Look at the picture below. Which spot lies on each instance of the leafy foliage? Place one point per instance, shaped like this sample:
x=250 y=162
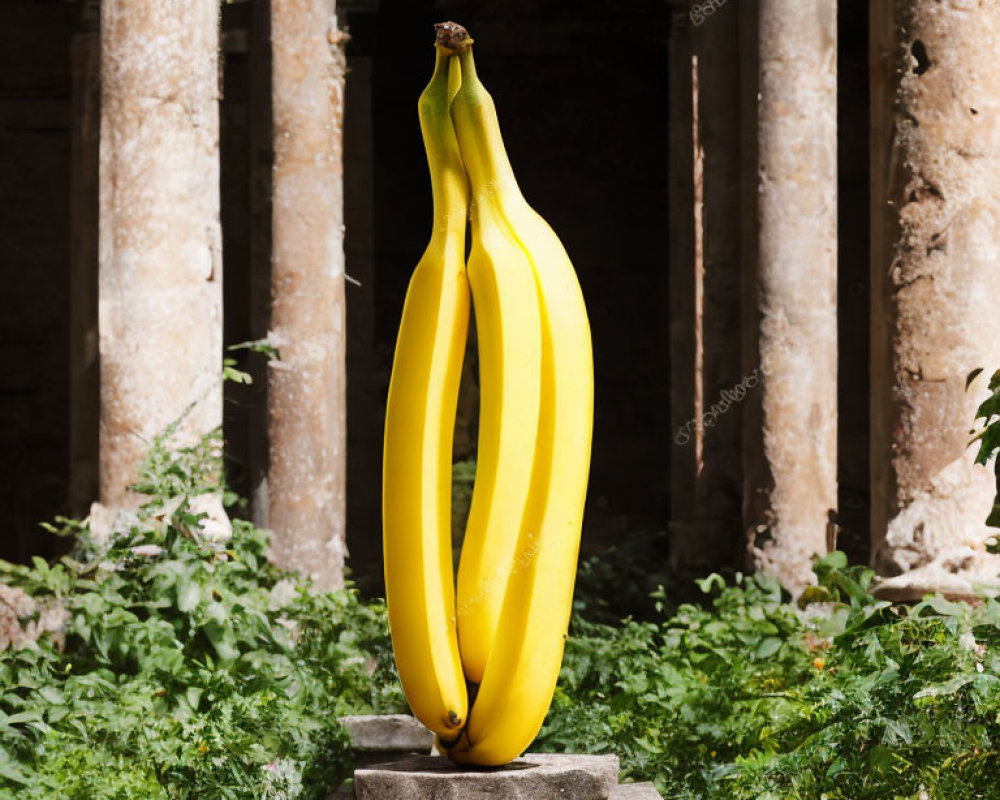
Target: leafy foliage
x=463 y=476
x=192 y=668
x=620 y=582
x=988 y=437
x=754 y=697
x=230 y=366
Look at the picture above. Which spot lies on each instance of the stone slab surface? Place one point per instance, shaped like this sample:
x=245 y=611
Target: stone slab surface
x=534 y=776
x=635 y=791
x=387 y=733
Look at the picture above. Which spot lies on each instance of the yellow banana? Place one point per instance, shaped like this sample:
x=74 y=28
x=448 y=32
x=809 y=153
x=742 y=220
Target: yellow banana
x=524 y=646
x=419 y=427
x=508 y=328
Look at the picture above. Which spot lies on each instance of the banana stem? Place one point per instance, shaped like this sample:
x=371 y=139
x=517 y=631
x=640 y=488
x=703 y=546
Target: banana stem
x=479 y=139
x=449 y=185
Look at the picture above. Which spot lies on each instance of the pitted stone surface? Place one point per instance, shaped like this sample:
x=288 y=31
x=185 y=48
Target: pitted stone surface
x=532 y=777
x=387 y=733
x=635 y=791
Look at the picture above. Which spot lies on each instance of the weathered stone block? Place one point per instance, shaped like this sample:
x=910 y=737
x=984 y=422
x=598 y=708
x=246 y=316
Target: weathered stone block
x=531 y=777
x=387 y=733
x=635 y=791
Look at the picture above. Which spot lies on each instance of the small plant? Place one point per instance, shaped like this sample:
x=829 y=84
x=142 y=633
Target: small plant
x=232 y=373
x=988 y=437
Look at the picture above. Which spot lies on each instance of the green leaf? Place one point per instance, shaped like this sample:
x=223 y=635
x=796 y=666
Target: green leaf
x=712 y=583
x=24 y=717
x=768 y=647
x=216 y=611
x=222 y=640
x=989 y=408
x=940 y=605
x=51 y=694
x=993 y=520
x=946 y=687
x=234 y=375
x=188 y=596
x=989 y=443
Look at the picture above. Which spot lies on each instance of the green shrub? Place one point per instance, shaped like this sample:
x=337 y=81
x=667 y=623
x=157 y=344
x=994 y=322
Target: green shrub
x=845 y=697
x=621 y=581
x=191 y=667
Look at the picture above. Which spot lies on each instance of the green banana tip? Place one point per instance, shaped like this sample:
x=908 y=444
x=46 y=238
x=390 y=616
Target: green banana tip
x=452 y=36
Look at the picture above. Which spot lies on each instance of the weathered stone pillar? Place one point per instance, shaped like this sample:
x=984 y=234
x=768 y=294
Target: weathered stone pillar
x=84 y=367
x=935 y=164
x=307 y=410
x=792 y=483
x=160 y=299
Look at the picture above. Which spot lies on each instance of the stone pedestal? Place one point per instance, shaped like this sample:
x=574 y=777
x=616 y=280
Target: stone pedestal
x=635 y=791
x=382 y=739
x=386 y=738
x=531 y=777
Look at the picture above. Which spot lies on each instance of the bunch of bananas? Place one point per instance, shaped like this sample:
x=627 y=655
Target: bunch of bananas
x=479 y=665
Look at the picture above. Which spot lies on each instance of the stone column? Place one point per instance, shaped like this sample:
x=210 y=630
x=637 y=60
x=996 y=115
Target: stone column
x=159 y=295
x=306 y=387
x=935 y=164
x=792 y=454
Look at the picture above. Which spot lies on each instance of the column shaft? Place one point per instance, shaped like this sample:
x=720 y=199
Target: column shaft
x=159 y=294
x=935 y=282
x=307 y=385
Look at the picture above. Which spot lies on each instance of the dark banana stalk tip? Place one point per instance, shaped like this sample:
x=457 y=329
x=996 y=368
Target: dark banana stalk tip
x=452 y=36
